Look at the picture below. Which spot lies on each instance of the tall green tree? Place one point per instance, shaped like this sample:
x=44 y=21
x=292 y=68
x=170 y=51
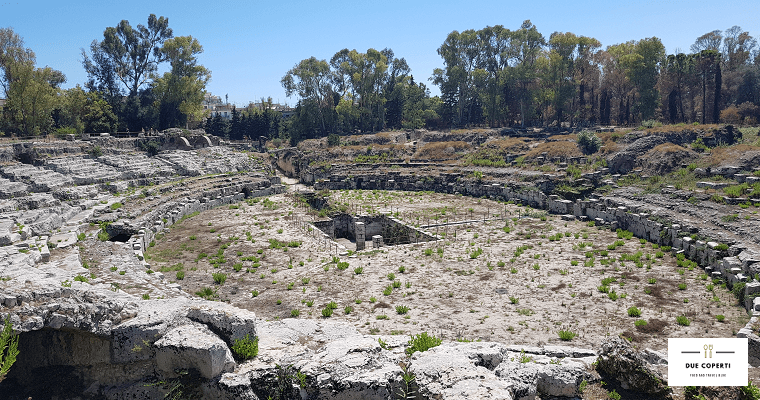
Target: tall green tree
x=643 y=70
x=136 y=52
x=528 y=43
x=310 y=79
x=124 y=62
x=179 y=92
x=31 y=93
x=562 y=55
x=84 y=111
x=460 y=52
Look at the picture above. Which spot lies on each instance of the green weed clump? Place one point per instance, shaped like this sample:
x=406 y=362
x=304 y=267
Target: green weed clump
x=634 y=312
x=566 y=335
x=422 y=342
x=219 y=277
x=246 y=348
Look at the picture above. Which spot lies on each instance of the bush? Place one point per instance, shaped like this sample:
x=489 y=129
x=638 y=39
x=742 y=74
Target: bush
x=640 y=322
x=333 y=140
x=95 y=152
x=402 y=309
x=245 y=348
x=683 y=321
x=152 y=147
x=8 y=348
x=566 y=335
x=327 y=312
x=588 y=142
x=219 y=277
x=422 y=342
x=634 y=312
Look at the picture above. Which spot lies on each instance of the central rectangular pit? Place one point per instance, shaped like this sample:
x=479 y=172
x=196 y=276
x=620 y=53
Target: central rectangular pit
x=389 y=231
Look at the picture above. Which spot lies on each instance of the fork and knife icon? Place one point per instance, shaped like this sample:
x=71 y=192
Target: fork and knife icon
x=708 y=347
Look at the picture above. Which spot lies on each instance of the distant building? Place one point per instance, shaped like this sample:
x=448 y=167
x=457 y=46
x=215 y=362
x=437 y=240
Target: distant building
x=216 y=106
x=286 y=111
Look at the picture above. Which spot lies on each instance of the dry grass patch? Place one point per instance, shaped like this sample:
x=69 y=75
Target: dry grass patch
x=682 y=127
x=667 y=148
x=514 y=145
x=728 y=155
x=441 y=150
x=555 y=149
x=570 y=137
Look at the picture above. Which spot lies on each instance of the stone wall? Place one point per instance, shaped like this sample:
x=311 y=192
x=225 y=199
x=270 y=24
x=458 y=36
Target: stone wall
x=605 y=212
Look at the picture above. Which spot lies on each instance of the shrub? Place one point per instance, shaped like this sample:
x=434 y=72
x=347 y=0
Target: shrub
x=104 y=236
x=358 y=270
x=682 y=320
x=720 y=318
x=245 y=348
x=327 y=312
x=634 y=312
x=219 y=277
x=402 y=310
x=95 y=152
x=206 y=293
x=566 y=335
x=730 y=218
x=422 y=342
x=8 y=348
x=295 y=313
x=640 y=322
x=588 y=142
x=333 y=140
x=180 y=275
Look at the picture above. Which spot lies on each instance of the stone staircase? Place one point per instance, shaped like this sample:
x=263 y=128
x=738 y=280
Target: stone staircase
x=37 y=179
x=85 y=171
x=134 y=166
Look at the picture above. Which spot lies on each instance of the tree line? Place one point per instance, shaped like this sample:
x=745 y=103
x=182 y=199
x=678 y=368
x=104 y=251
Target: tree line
x=493 y=77
x=500 y=77
x=123 y=91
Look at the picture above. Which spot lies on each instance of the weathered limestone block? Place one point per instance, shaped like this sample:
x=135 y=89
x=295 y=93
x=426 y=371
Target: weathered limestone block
x=229 y=386
x=619 y=359
x=448 y=372
x=188 y=346
x=229 y=322
x=728 y=265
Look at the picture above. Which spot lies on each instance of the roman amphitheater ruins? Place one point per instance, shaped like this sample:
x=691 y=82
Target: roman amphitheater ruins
x=388 y=266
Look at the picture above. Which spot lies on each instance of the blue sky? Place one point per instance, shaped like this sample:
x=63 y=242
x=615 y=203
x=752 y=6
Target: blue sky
x=250 y=45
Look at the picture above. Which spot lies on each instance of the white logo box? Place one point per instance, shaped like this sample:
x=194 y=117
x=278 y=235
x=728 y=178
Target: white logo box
x=707 y=362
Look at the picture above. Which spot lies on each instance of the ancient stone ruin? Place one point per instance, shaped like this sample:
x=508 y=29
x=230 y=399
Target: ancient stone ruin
x=104 y=246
